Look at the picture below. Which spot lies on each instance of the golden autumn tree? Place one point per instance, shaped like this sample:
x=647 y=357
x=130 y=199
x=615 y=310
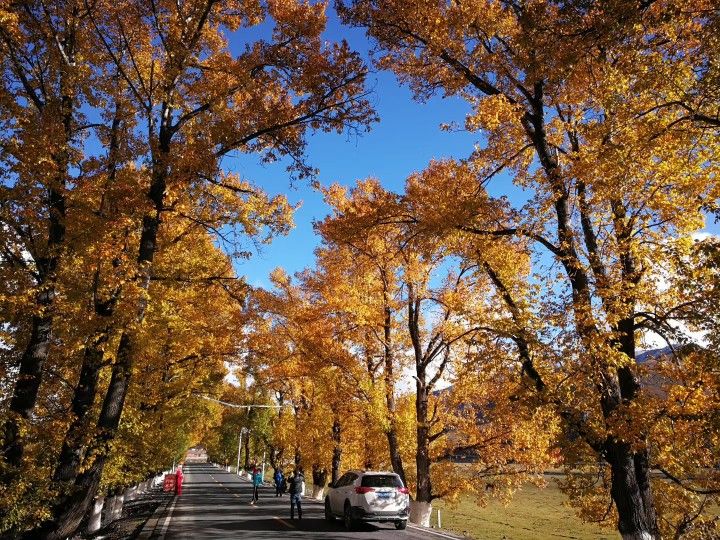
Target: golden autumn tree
x=360 y=283
x=222 y=440
x=571 y=111
x=194 y=308
x=189 y=335
x=177 y=107
x=353 y=295
x=56 y=188
x=302 y=351
x=443 y=311
x=671 y=305
x=169 y=102
x=43 y=90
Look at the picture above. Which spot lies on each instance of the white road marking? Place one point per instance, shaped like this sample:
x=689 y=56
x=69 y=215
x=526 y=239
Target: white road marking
x=423 y=529
x=166 y=523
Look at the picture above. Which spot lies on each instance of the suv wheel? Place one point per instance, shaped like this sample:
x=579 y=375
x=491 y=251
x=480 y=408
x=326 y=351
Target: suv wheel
x=400 y=525
x=328 y=511
x=347 y=517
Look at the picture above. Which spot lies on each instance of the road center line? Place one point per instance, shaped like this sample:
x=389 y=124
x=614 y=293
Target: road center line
x=286 y=523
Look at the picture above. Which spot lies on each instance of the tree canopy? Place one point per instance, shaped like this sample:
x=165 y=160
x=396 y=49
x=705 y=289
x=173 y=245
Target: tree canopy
x=461 y=340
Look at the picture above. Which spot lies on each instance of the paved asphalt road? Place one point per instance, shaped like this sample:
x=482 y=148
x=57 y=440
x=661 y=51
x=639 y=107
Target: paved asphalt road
x=215 y=504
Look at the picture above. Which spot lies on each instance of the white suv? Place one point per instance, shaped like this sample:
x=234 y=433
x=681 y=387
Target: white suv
x=368 y=496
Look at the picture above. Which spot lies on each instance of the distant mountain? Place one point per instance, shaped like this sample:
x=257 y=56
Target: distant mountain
x=652 y=354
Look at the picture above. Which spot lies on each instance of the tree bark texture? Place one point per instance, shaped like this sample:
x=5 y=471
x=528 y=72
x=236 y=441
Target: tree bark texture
x=422 y=453
x=337 y=449
x=630 y=490
x=391 y=433
x=26 y=389
x=319 y=475
x=70 y=510
x=84 y=396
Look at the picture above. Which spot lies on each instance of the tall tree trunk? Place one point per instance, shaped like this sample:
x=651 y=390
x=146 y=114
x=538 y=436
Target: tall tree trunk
x=69 y=511
x=394 y=448
x=367 y=461
x=246 y=447
x=298 y=453
x=422 y=453
x=337 y=449
x=86 y=389
x=37 y=349
x=84 y=396
x=276 y=453
x=319 y=476
x=272 y=452
x=26 y=390
x=630 y=490
x=421 y=506
x=630 y=480
x=391 y=432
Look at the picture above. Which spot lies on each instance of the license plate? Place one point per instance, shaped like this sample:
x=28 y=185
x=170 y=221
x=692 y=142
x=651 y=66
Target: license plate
x=384 y=495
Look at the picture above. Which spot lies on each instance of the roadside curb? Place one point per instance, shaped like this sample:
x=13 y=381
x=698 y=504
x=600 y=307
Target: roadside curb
x=440 y=533
x=151 y=525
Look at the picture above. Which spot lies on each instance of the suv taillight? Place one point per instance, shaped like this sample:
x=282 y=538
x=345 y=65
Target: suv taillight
x=404 y=491
x=363 y=489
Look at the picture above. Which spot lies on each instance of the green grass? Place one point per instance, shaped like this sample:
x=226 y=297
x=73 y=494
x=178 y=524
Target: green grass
x=533 y=514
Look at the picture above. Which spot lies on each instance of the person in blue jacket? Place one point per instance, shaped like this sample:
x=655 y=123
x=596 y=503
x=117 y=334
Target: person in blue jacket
x=256 y=481
x=279 y=477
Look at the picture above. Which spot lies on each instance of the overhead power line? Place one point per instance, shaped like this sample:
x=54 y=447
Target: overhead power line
x=239 y=406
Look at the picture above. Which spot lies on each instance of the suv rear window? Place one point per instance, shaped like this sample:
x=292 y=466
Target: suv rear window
x=381 y=480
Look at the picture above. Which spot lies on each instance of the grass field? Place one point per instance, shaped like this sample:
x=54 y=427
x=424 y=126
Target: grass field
x=533 y=514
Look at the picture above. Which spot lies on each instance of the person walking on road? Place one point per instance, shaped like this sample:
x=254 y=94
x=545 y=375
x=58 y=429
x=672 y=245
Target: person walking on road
x=256 y=481
x=296 y=488
x=279 y=478
x=178 y=481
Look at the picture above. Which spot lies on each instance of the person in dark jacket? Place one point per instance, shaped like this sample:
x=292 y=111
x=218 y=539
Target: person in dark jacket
x=279 y=479
x=296 y=487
